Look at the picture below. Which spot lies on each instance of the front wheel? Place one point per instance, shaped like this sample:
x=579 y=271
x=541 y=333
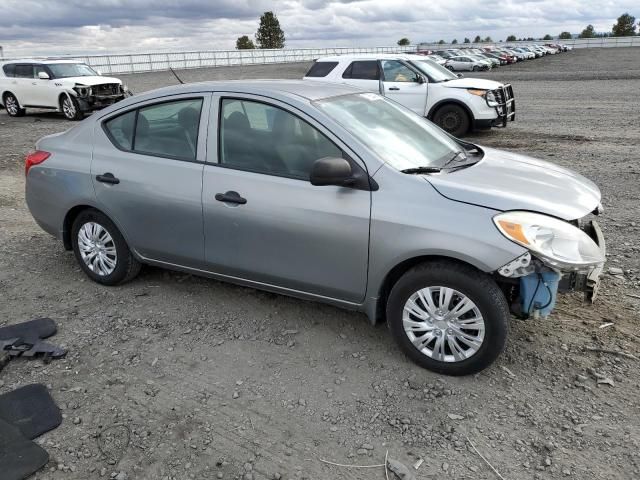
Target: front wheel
x=452 y=118
x=71 y=108
x=101 y=250
x=448 y=317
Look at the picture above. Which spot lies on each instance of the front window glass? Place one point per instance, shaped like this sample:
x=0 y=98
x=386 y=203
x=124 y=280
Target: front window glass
x=395 y=71
x=66 y=70
x=262 y=138
x=435 y=72
x=397 y=135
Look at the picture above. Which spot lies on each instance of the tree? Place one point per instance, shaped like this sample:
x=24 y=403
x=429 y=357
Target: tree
x=454 y=42
x=441 y=42
x=404 y=41
x=625 y=26
x=477 y=39
x=511 y=38
x=547 y=37
x=588 y=32
x=488 y=40
x=269 y=34
x=466 y=40
x=244 y=43
x=565 y=36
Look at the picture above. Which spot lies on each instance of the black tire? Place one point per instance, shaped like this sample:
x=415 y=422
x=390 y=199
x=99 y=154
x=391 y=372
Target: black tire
x=476 y=68
x=73 y=111
x=127 y=267
x=452 y=118
x=15 y=111
x=475 y=285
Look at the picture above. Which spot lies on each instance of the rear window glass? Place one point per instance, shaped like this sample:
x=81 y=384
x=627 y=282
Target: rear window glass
x=24 y=71
x=169 y=129
x=121 y=129
x=321 y=69
x=9 y=70
x=363 y=70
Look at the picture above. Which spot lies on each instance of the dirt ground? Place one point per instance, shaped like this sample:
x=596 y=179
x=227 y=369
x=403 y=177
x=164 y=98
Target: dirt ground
x=178 y=377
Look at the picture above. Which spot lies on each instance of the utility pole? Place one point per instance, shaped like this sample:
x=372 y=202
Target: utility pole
x=1 y=53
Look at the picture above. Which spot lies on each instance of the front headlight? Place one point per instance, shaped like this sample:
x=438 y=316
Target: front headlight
x=557 y=243
x=486 y=94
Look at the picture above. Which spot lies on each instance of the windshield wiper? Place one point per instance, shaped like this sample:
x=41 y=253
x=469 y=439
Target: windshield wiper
x=420 y=170
x=454 y=158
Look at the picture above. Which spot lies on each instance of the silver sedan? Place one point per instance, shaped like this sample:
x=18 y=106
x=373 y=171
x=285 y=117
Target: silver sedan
x=327 y=193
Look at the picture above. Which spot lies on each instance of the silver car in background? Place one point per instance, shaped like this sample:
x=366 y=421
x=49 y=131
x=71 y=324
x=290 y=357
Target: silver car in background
x=326 y=193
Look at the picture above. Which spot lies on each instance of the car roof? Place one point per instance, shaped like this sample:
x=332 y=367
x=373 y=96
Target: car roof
x=38 y=61
x=371 y=56
x=304 y=89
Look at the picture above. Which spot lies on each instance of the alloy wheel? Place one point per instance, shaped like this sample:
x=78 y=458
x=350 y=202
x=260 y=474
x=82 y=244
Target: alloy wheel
x=443 y=324
x=97 y=249
x=11 y=104
x=68 y=108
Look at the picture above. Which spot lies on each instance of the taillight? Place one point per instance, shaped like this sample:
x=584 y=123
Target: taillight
x=35 y=158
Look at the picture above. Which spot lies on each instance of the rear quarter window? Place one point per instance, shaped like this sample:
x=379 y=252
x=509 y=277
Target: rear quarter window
x=321 y=69
x=120 y=129
x=9 y=70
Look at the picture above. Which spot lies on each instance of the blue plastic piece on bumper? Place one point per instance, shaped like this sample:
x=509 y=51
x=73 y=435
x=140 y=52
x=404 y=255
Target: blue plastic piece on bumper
x=538 y=291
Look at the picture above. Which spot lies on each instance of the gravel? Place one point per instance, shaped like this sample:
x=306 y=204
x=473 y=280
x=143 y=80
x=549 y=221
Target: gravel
x=237 y=398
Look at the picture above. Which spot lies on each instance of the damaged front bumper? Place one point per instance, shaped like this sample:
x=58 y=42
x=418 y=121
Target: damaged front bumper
x=532 y=286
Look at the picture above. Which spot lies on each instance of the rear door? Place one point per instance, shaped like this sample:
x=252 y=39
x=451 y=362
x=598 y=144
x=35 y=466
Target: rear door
x=263 y=220
x=22 y=83
x=401 y=83
x=363 y=74
x=147 y=172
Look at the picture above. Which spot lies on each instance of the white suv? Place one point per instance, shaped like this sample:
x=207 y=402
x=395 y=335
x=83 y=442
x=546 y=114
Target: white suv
x=455 y=104
x=66 y=86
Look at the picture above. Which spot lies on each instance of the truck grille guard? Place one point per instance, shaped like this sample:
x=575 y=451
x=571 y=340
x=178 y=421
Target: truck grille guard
x=506 y=108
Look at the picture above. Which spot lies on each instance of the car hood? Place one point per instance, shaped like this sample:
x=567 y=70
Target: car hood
x=479 y=83
x=91 y=81
x=508 y=181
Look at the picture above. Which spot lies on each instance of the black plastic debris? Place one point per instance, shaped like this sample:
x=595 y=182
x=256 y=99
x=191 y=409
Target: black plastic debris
x=26 y=340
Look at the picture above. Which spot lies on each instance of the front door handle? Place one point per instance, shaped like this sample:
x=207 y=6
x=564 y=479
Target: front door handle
x=231 y=197
x=394 y=88
x=108 y=178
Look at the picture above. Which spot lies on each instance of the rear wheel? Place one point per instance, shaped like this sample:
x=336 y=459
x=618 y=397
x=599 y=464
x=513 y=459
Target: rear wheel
x=476 y=68
x=452 y=118
x=101 y=250
x=12 y=106
x=448 y=317
x=70 y=108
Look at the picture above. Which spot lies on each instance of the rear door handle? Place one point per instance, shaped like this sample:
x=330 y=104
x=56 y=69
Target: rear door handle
x=394 y=88
x=231 y=197
x=108 y=178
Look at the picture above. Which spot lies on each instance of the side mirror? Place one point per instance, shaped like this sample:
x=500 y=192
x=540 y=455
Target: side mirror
x=459 y=75
x=420 y=79
x=43 y=76
x=331 y=171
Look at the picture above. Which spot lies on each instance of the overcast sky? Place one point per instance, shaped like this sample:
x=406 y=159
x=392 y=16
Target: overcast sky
x=94 y=26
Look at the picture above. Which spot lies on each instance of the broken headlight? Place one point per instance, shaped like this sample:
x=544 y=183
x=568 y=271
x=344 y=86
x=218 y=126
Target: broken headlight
x=82 y=91
x=558 y=244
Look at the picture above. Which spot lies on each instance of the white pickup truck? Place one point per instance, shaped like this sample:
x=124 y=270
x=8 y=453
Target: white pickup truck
x=456 y=104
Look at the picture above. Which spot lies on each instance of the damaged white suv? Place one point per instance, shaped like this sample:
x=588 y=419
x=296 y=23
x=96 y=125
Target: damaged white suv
x=66 y=86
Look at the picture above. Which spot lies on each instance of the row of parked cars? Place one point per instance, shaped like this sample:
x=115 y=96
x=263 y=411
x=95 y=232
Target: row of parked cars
x=486 y=58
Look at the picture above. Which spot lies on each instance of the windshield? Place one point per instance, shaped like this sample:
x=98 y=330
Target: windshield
x=65 y=70
x=434 y=71
x=400 y=137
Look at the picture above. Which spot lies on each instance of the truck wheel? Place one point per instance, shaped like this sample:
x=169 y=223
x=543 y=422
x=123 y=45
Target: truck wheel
x=71 y=108
x=448 y=317
x=101 y=250
x=12 y=106
x=452 y=118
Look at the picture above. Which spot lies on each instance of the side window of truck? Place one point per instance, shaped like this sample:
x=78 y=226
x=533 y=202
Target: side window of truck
x=363 y=70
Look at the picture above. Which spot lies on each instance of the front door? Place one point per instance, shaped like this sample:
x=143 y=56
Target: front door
x=402 y=84
x=263 y=220
x=43 y=92
x=147 y=175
